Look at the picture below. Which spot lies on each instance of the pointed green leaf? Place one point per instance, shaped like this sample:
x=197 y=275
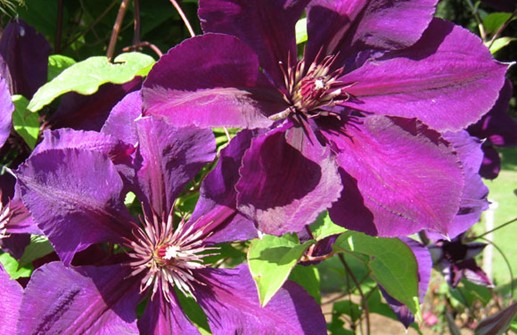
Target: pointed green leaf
x=500 y=43
x=271 y=260
x=392 y=263
x=25 y=123
x=85 y=77
x=324 y=227
x=492 y=22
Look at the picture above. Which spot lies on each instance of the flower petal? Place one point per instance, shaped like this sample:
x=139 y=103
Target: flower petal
x=491 y=162
x=26 y=53
x=447 y=80
x=217 y=196
x=162 y=317
x=267 y=26
x=120 y=122
x=169 y=158
x=399 y=177
x=88 y=300
x=474 y=195
x=75 y=197
x=230 y=301
x=222 y=89
x=10 y=303
x=348 y=27
x=6 y=111
x=287 y=179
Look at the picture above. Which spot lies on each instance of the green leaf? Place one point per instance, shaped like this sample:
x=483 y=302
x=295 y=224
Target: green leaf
x=85 y=77
x=391 y=262
x=309 y=278
x=494 y=21
x=193 y=312
x=38 y=247
x=271 y=259
x=57 y=64
x=501 y=43
x=12 y=267
x=324 y=227
x=25 y=123
x=301 y=31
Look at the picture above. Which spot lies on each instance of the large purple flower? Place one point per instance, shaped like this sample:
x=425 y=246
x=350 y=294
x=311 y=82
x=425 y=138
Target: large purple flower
x=74 y=184
x=354 y=126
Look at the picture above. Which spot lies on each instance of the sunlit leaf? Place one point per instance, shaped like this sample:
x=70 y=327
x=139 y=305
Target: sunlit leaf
x=271 y=260
x=13 y=268
x=391 y=262
x=85 y=77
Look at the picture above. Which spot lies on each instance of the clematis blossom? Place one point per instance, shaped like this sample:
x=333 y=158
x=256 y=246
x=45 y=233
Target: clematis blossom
x=74 y=184
x=355 y=126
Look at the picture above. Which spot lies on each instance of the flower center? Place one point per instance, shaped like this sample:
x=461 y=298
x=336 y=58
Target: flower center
x=168 y=257
x=314 y=91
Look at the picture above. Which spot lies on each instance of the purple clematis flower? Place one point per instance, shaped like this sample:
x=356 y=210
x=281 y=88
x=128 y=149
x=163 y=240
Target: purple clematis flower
x=455 y=259
x=355 y=126
x=74 y=184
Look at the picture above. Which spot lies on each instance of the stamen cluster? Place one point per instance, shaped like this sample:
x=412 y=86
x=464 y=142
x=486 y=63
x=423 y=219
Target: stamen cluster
x=169 y=257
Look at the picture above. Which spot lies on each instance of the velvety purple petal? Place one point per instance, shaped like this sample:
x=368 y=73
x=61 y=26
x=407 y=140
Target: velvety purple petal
x=230 y=301
x=447 y=80
x=267 y=26
x=399 y=177
x=287 y=179
x=118 y=151
x=491 y=165
x=169 y=158
x=474 y=273
x=347 y=27
x=75 y=197
x=120 y=122
x=87 y=300
x=6 y=111
x=10 y=303
x=26 y=53
x=502 y=5
x=162 y=317
x=218 y=196
x=474 y=196
x=89 y=112
x=210 y=81
x=498 y=126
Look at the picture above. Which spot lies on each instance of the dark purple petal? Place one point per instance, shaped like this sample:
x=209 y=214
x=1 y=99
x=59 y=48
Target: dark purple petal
x=89 y=112
x=120 y=122
x=230 y=301
x=267 y=26
x=498 y=126
x=502 y=5
x=10 y=303
x=26 y=53
x=169 y=158
x=287 y=179
x=474 y=196
x=399 y=177
x=447 y=80
x=347 y=27
x=75 y=197
x=88 y=300
x=118 y=151
x=222 y=89
x=497 y=323
x=491 y=165
x=6 y=111
x=474 y=273
x=217 y=195
x=162 y=317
